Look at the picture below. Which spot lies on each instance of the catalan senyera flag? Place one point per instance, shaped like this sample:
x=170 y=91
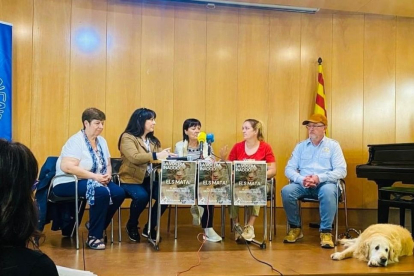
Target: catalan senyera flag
x=320 y=102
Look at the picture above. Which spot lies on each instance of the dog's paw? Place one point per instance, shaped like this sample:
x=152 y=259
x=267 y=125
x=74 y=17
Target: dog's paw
x=337 y=256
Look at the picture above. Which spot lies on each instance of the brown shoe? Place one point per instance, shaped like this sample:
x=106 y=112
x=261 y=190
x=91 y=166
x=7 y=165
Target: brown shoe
x=326 y=240
x=293 y=235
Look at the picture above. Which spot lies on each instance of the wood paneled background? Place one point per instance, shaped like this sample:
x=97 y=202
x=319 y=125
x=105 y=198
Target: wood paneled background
x=221 y=66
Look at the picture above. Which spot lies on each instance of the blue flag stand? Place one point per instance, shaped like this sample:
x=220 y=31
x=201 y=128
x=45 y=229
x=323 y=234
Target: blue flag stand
x=5 y=80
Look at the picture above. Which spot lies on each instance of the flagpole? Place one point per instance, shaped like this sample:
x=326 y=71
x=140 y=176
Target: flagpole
x=320 y=102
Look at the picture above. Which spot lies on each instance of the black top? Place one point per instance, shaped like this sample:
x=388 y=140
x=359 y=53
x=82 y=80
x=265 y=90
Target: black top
x=21 y=261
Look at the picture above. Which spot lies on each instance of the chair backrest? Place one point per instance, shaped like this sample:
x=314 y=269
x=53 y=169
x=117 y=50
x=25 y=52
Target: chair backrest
x=47 y=172
x=342 y=187
x=116 y=165
x=269 y=185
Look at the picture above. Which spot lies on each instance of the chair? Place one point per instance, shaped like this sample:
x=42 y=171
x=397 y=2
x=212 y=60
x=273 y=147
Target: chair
x=340 y=200
x=223 y=218
x=116 y=165
x=271 y=197
x=80 y=202
x=57 y=199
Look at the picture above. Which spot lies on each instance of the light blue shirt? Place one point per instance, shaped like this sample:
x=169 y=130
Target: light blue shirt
x=325 y=160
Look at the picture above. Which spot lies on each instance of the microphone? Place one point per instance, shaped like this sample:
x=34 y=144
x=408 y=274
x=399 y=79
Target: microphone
x=201 y=138
x=210 y=140
x=179 y=158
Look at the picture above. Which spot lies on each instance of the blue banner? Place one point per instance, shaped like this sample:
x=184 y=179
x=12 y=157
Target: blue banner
x=5 y=81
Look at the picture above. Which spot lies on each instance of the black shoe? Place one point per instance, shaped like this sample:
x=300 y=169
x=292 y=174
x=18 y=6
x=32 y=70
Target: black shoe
x=133 y=233
x=153 y=233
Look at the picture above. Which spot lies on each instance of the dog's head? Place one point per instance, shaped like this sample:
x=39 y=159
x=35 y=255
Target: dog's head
x=379 y=251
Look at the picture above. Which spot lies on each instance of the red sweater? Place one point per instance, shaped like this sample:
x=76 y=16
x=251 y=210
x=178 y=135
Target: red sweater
x=263 y=153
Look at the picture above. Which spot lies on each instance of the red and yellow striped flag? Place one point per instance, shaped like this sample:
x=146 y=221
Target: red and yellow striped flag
x=320 y=103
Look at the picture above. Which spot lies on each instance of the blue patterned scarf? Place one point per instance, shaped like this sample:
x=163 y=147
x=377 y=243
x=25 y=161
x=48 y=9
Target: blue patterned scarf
x=92 y=184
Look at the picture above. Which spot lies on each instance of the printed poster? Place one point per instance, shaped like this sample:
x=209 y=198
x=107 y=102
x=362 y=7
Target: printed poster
x=178 y=182
x=250 y=183
x=214 y=183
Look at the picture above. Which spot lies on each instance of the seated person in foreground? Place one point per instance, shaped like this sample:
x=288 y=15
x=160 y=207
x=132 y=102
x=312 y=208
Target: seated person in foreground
x=86 y=155
x=314 y=168
x=18 y=214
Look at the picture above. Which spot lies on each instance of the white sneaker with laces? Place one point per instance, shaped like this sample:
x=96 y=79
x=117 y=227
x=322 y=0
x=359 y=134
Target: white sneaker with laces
x=211 y=235
x=197 y=212
x=248 y=232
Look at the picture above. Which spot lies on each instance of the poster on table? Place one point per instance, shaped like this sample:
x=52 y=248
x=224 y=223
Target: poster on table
x=250 y=183
x=214 y=183
x=178 y=182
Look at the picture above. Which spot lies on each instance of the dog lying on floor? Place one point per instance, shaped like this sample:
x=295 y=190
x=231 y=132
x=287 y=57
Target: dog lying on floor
x=379 y=245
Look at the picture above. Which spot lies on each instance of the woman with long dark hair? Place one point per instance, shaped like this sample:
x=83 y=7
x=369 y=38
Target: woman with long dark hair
x=139 y=149
x=18 y=214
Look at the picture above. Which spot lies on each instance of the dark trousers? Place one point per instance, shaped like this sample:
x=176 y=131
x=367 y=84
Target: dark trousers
x=140 y=194
x=101 y=213
x=207 y=218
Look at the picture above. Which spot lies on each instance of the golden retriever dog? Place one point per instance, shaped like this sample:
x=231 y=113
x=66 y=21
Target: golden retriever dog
x=379 y=245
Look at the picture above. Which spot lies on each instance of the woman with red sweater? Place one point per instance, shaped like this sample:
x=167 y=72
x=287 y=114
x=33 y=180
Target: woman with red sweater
x=253 y=148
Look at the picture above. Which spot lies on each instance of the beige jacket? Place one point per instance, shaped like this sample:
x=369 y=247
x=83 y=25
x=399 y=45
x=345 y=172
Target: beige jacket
x=135 y=159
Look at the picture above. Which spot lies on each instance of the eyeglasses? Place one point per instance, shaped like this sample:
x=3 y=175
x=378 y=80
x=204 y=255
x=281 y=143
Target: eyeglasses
x=313 y=126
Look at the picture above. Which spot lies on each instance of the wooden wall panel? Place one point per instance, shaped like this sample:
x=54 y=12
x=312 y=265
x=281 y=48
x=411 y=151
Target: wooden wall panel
x=189 y=66
x=221 y=66
x=347 y=105
x=123 y=68
x=221 y=76
x=20 y=14
x=404 y=112
x=316 y=41
x=284 y=79
x=51 y=57
x=253 y=69
x=88 y=59
x=157 y=68
x=379 y=89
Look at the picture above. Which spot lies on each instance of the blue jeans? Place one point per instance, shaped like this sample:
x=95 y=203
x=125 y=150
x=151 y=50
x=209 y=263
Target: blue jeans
x=101 y=213
x=140 y=194
x=326 y=193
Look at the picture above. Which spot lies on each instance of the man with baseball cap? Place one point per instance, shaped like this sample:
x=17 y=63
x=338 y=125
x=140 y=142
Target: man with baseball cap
x=314 y=168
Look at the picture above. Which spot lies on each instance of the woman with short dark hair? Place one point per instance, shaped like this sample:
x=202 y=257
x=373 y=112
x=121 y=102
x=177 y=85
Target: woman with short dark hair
x=190 y=148
x=18 y=214
x=86 y=155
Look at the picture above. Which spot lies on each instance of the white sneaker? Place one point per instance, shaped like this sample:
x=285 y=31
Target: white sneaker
x=248 y=232
x=197 y=212
x=237 y=232
x=211 y=235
